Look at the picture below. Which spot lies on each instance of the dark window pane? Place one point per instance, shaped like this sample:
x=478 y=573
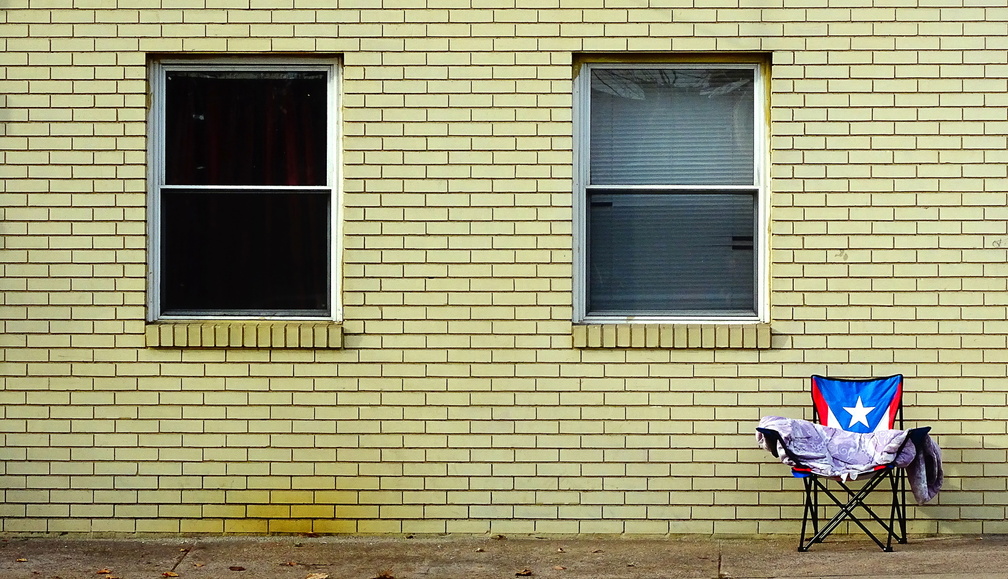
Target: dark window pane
x=245 y=128
x=671 y=253
x=244 y=253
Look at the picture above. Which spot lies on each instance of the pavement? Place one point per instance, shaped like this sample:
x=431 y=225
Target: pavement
x=496 y=557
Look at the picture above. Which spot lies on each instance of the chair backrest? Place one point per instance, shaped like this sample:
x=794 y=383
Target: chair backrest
x=858 y=405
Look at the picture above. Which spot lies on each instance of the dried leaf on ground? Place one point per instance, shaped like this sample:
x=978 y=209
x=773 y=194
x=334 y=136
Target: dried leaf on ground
x=559 y=567
x=499 y=537
x=289 y=564
x=169 y=574
x=479 y=550
x=597 y=551
x=560 y=550
x=524 y=573
x=236 y=568
x=21 y=560
x=318 y=576
x=102 y=572
x=386 y=574
x=198 y=564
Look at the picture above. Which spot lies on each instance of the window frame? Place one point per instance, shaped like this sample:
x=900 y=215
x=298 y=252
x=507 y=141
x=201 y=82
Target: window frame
x=158 y=69
x=581 y=183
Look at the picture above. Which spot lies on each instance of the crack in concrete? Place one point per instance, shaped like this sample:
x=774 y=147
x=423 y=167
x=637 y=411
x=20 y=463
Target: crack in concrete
x=185 y=553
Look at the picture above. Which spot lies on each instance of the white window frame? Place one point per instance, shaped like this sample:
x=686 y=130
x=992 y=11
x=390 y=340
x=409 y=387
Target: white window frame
x=156 y=173
x=582 y=136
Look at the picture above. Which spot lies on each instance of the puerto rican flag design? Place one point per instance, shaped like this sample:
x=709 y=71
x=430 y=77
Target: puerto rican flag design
x=857 y=405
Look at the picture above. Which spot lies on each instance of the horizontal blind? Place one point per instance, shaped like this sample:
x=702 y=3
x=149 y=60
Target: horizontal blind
x=671 y=253
x=685 y=126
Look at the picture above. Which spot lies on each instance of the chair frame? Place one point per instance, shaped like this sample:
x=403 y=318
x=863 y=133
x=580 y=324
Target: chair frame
x=894 y=528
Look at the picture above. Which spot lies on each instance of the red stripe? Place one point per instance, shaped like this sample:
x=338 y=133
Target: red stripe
x=894 y=405
x=822 y=409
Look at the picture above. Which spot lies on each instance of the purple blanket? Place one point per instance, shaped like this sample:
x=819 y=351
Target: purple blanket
x=832 y=452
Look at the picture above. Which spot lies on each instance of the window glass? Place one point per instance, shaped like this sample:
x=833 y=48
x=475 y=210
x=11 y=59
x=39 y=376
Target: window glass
x=671 y=254
x=254 y=252
x=672 y=127
x=245 y=128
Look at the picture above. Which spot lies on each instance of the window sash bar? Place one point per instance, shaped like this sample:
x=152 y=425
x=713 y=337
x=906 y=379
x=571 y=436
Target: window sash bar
x=249 y=188
x=689 y=188
x=666 y=319
x=248 y=315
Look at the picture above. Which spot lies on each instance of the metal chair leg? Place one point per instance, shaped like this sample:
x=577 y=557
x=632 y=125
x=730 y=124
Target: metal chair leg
x=808 y=512
x=902 y=539
x=846 y=512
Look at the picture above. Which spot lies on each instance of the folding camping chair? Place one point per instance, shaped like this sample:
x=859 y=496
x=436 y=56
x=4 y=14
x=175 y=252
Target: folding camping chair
x=855 y=406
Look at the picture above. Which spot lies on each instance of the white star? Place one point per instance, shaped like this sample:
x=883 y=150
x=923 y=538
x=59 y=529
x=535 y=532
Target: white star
x=859 y=413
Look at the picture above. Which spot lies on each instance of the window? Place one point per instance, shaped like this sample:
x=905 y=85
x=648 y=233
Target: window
x=243 y=177
x=670 y=192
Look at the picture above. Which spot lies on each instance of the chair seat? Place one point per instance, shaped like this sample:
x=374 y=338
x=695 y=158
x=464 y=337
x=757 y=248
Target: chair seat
x=830 y=452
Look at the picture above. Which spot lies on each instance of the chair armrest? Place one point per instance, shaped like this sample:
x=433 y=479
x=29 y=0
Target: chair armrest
x=773 y=439
x=916 y=435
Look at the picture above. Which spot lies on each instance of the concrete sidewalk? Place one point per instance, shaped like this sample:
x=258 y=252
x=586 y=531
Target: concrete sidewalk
x=465 y=557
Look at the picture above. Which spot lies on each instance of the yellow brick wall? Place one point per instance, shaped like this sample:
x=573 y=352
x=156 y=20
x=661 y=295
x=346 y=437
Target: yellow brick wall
x=459 y=400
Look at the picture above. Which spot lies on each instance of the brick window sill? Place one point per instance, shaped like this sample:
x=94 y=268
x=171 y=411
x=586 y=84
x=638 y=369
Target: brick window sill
x=672 y=336
x=245 y=334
